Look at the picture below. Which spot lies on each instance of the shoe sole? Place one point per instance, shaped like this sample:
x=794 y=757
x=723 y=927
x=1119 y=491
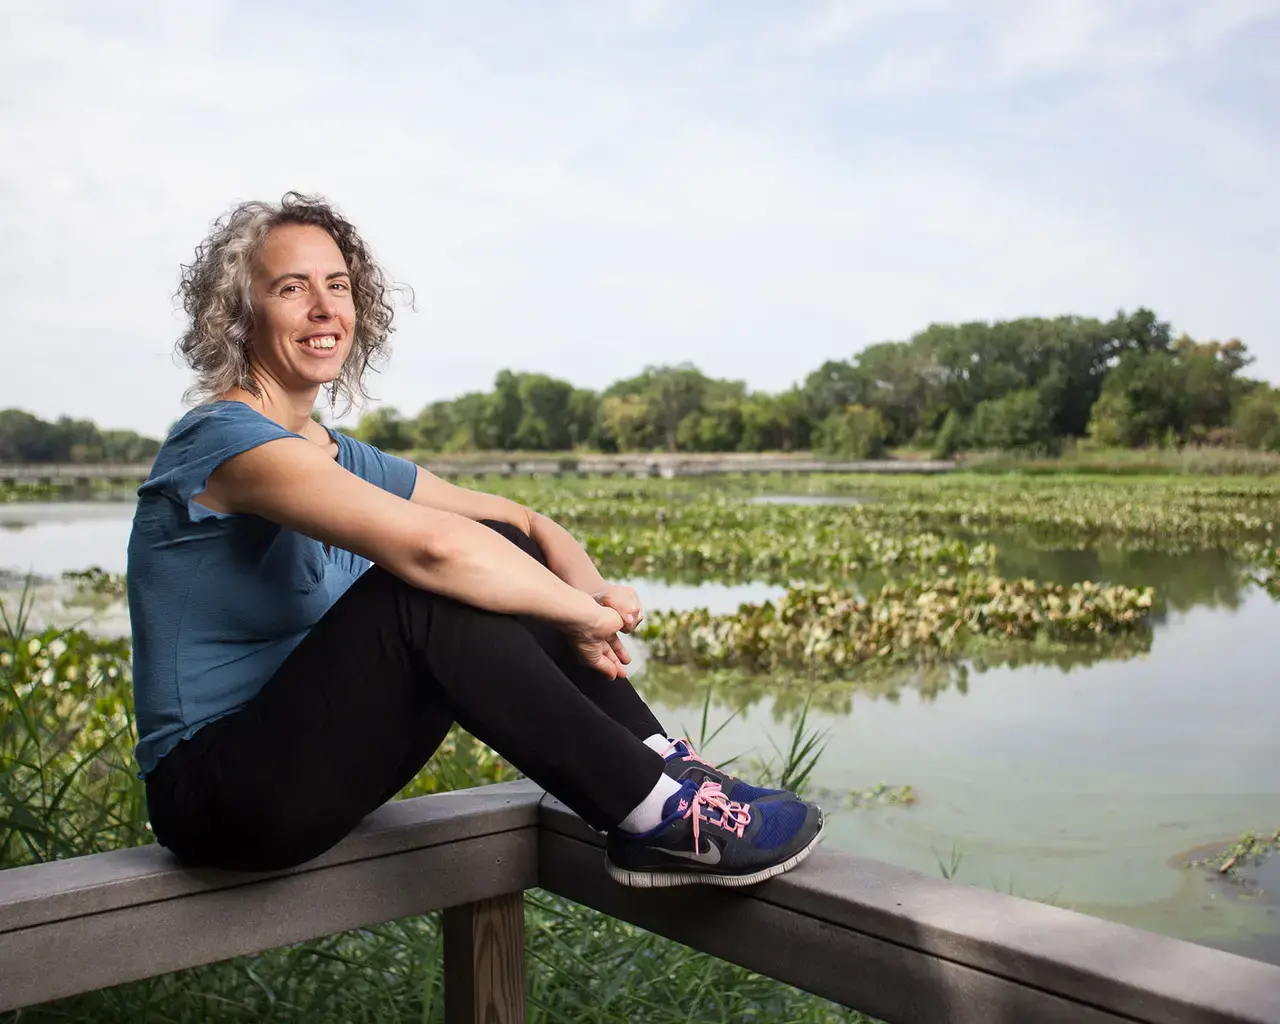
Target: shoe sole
x=667 y=879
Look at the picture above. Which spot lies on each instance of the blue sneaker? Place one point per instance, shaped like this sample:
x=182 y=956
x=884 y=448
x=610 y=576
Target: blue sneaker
x=707 y=839
x=683 y=763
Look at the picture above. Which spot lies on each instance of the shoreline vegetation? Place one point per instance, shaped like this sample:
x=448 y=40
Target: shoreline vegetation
x=1034 y=388
x=1078 y=465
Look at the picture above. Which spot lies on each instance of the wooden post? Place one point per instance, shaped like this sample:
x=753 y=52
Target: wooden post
x=484 y=961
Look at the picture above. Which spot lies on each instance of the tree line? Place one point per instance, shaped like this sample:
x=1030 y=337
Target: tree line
x=1028 y=384
x=27 y=438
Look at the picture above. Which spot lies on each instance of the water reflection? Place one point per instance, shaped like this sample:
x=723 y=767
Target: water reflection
x=50 y=538
x=719 y=598
x=785 y=692
x=1205 y=578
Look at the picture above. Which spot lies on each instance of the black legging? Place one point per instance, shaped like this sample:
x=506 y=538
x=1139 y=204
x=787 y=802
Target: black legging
x=366 y=698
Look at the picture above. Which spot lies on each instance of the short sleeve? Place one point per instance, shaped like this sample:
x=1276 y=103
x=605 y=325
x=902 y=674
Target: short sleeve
x=390 y=472
x=201 y=442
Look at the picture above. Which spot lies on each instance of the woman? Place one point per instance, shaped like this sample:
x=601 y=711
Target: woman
x=310 y=614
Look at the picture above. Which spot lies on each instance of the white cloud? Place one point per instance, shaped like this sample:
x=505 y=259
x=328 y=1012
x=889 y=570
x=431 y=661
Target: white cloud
x=587 y=193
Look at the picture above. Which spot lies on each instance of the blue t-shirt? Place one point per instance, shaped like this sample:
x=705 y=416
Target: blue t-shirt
x=216 y=600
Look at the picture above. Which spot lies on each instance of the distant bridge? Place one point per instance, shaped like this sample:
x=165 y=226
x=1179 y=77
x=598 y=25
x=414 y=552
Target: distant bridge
x=645 y=465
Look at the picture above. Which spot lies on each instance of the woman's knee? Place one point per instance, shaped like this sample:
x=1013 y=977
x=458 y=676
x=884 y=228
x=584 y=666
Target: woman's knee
x=517 y=537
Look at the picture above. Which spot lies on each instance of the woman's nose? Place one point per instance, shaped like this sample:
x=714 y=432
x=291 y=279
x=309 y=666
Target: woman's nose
x=325 y=304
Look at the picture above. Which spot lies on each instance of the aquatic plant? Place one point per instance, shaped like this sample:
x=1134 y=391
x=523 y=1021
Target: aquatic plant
x=826 y=629
x=1156 y=513
x=770 y=554
x=1248 y=851
x=1264 y=563
x=96 y=580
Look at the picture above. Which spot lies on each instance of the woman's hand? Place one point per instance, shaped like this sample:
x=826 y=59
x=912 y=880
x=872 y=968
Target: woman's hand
x=598 y=645
x=623 y=600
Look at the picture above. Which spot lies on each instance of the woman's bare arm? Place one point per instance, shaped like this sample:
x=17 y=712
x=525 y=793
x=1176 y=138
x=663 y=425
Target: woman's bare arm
x=292 y=482
x=565 y=556
x=432 y=492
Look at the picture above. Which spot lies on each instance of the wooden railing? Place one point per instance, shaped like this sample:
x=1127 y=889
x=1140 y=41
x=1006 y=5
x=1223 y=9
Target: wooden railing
x=900 y=946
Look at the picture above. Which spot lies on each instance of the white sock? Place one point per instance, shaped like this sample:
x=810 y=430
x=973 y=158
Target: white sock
x=658 y=742
x=648 y=812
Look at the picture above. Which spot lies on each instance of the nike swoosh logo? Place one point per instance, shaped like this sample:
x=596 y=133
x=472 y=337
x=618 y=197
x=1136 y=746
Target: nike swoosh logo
x=712 y=856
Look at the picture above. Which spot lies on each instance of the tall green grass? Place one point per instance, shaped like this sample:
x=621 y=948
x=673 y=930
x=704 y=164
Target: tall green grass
x=1087 y=459
x=66 y=744
x=67 y=788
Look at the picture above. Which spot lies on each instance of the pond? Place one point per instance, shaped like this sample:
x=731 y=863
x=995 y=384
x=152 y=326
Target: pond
x=1089 y=786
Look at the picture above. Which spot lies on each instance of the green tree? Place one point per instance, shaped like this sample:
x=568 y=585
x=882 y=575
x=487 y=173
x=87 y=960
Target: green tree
x=128 y=446
x=434 y=426
x=544 y=421
x=472 y=416
x=385 y=428
x=836 y=384
x=1140 y=331
x=717 y=428
x=1141 y=400
x=1212 y=384
x=668 y=394
x=855 y=432
x=775 y=422
x=625 y=425
x=1181 y=392
x=583 y=411
x=951 y=437
x=1017 y=420
x=506 y=409
x=1023 y=383
x=27 y=438
x=1256 y=423
x=898 y=380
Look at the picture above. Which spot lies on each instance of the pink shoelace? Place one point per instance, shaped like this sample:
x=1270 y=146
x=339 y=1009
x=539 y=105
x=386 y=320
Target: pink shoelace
x=734 y=817
x=691 y=756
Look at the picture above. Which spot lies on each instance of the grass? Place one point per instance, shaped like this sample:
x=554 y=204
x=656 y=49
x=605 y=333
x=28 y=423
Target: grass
x=1187 y=461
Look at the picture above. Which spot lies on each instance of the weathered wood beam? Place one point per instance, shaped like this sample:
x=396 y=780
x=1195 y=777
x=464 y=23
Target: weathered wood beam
x=892 y=943
x=907 y=948
x=92 y=922
x=484 y=961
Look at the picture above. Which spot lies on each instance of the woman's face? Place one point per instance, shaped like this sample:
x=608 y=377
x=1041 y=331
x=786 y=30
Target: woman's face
x=303 y=306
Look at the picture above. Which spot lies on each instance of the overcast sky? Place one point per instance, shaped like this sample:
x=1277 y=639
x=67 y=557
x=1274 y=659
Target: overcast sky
x=586 y=188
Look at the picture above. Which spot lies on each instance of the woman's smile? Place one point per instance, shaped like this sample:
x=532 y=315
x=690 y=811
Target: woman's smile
x=322 y=346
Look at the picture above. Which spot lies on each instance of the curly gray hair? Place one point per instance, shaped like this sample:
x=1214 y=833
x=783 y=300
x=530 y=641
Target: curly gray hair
x=216 y=295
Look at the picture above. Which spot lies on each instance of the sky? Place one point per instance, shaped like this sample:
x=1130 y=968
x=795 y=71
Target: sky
x=587 y=188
